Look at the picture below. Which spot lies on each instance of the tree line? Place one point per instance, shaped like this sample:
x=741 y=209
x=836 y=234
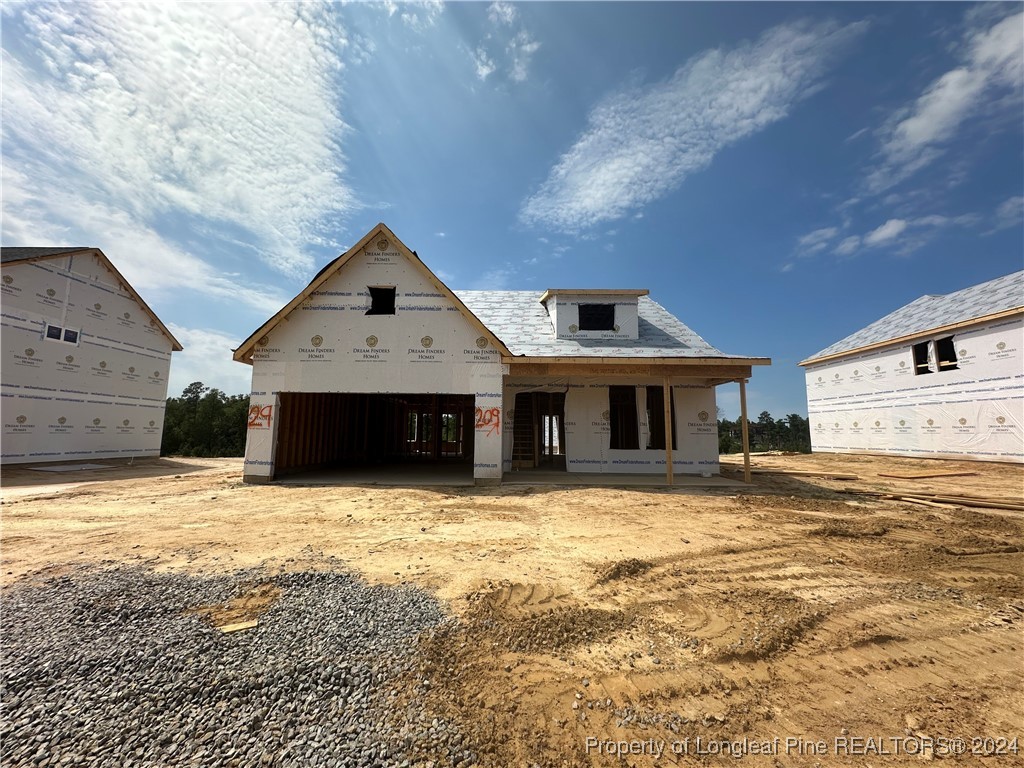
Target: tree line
x=206 y=422
x=793 y=433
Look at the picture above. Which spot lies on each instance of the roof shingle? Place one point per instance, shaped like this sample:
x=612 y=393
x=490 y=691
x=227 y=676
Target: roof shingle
x=523 y=324
x=929 y=312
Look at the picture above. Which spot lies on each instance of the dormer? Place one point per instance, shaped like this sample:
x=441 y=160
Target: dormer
x=593 y=313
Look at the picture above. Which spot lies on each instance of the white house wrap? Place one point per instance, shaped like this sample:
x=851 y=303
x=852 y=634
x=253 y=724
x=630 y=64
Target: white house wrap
x=377 y=361
x=941 y=377
x=85 y=361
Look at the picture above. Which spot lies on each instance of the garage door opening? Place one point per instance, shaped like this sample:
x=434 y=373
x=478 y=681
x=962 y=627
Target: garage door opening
x=422 y=434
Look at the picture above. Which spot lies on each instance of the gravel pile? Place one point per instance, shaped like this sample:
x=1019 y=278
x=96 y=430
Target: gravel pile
x=107 y=667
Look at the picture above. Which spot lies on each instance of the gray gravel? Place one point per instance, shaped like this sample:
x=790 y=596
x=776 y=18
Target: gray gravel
x=104 y=668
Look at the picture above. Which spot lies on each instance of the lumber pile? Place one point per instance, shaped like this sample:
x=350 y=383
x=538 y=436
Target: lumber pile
x=946 y=499
x=794 y=472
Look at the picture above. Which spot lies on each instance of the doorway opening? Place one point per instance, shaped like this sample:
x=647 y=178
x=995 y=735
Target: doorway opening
x=538 y=433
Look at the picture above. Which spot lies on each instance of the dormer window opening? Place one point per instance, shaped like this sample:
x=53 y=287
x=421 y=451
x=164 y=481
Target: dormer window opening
x=597 y=317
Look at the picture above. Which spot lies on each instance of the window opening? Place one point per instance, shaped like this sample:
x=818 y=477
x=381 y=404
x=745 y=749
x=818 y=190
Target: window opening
x=625 y=434
x=57 y=333
x=921 y=365
x=382 y=300
x=597 y=317
x=550 y=435
x=945 y=353
x=656 y=418
x=451 y=434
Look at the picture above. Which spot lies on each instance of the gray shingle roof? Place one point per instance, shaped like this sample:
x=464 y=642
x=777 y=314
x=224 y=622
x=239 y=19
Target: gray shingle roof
x=10 y=255
x=523 y=324
x=930 y=312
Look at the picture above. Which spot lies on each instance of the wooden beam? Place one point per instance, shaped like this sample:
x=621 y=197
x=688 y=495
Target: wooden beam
x=593 y=292
x=684 y=362
x=746 y=431
x=652 y=371
x=667 y=397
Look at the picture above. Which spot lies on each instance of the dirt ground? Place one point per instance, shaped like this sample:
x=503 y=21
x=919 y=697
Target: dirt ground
x=685 y=626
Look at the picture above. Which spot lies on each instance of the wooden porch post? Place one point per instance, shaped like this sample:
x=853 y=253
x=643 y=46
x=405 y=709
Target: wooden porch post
x=667 y=397
x=746 y=431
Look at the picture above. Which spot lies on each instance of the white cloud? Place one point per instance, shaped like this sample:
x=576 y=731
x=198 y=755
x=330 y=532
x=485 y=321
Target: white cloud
x=484 y=64
x=502 y=13
x=892 y=228
x=1010 y=213
x=521 y=50
x=154 y=267
x=219 y=111
x=207 y=358
x=421 y=14
x=495 y=279
x=905 y=235
x=642 y=142
x=508 y=47
x=446 y=276
x=440 y=234
x=848 y=245
x=816 y=241
x=992 y=61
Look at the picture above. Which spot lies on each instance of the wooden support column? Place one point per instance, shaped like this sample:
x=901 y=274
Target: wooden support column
x=746 y=431
x=669 y=428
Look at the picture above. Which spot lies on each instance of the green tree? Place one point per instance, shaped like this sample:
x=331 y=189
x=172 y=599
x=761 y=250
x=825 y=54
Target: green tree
x=205 y=422
x=766 y=434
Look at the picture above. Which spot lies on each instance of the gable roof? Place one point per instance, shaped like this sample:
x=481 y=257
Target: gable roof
x=523 y=324
x=18 y=255
x=12 y=255
x=518 y=325
x=934 y=314
x=244 y=352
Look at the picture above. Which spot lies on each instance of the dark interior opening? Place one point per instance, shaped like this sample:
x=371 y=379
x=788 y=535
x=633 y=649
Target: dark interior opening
x=382 y=300
x=325 y=429
x=945 y=353
x=597 y=317
x=538 y=430
x=625 y=434
x=921 y=358
x=656 y=417
x=53 y=332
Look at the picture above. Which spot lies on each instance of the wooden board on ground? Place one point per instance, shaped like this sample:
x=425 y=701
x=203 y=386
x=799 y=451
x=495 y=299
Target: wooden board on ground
x=933 y=474
x=229 y=628
x=795 y=472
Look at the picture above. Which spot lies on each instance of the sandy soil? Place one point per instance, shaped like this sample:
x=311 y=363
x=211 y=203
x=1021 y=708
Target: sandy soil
x=678 y=622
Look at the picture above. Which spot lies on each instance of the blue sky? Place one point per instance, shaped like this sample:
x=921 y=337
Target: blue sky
x=778 y=175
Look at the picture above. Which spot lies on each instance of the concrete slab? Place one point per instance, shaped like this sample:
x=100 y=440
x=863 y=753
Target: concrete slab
x=550 y=477
x=431 y=475
x=401 y=475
